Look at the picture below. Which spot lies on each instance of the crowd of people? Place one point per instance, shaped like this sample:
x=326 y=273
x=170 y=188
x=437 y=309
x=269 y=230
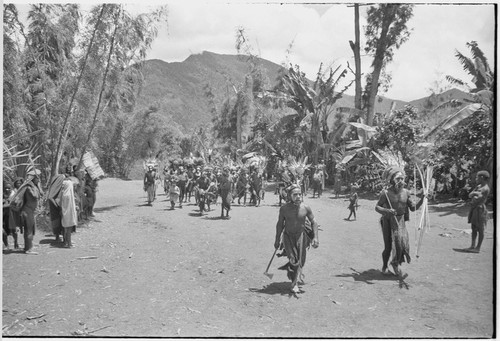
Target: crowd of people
x=70 y=198
x=296 y=229
x=204 y=185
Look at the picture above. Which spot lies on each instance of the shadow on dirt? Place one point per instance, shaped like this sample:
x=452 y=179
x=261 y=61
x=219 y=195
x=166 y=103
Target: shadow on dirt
x=11 y=251
x=52 y=242
x=216 y=218
x=369 y=276
x=447 y=209
x=464 y=250
x=107 y=208
x=277 y=288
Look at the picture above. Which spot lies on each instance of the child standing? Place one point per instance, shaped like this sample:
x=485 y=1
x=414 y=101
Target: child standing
x=353 y=202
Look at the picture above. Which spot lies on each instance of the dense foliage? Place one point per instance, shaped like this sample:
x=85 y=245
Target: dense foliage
x=399 y=133
x=67 y=74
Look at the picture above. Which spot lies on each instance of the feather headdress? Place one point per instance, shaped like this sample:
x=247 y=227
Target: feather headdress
x=297 y=168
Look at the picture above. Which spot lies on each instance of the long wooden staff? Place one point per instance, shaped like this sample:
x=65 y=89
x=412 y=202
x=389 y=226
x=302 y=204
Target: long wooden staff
x=415 y=195
x=424 y=218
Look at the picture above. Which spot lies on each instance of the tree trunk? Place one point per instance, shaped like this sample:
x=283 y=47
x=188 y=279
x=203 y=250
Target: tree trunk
x=64 y=130
x=238 y=124
x=378 y=62
x=316 y=136
x=103 y=86
x=357 y=59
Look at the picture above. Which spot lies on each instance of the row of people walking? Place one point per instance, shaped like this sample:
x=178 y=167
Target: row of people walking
x=205 y=185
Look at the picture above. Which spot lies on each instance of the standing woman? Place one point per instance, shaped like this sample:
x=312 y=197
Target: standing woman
x=68 y=211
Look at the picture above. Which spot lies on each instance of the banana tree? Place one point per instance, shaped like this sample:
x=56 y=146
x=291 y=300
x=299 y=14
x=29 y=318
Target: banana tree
x=312 y=103
x=482 y=91
x=483 y=79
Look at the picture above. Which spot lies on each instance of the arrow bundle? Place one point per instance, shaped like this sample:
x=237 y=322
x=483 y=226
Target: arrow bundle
x=424 y=222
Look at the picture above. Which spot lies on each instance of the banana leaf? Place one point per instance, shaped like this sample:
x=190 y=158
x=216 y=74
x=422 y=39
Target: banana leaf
x=457 y=117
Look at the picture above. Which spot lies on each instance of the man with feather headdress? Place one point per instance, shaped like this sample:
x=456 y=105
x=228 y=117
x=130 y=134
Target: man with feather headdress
x=394 y=204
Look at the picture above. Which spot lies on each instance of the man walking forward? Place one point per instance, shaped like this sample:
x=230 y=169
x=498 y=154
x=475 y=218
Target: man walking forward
x=293 y=218
x=394 y=204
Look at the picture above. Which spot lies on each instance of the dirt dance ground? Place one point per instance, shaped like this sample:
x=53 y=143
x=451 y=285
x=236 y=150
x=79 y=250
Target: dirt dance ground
x=152 y=272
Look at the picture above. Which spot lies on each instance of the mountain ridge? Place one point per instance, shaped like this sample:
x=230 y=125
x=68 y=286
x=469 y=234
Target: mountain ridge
x=178 y=88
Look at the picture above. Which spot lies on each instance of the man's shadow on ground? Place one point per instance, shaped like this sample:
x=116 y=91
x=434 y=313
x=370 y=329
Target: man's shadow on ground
x=216 y=218
x=52 y=242
x=372 y=275
x=464 y=250
x=10 y=251
x=107 y=208
x=276 y=288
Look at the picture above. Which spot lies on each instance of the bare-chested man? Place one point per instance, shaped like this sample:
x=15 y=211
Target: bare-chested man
x=478 y=214
x=292 y=221
x=394 y=204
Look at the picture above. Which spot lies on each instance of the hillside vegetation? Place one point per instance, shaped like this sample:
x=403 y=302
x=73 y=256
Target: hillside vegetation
x=177 y=88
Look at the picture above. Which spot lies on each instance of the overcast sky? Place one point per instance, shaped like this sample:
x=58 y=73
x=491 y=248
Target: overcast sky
x=321 y=33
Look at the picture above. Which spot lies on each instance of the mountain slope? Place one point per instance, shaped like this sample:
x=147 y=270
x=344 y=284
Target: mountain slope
x=177 y=88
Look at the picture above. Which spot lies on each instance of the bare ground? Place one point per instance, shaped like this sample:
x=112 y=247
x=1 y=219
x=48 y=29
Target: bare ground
x=149 y=271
